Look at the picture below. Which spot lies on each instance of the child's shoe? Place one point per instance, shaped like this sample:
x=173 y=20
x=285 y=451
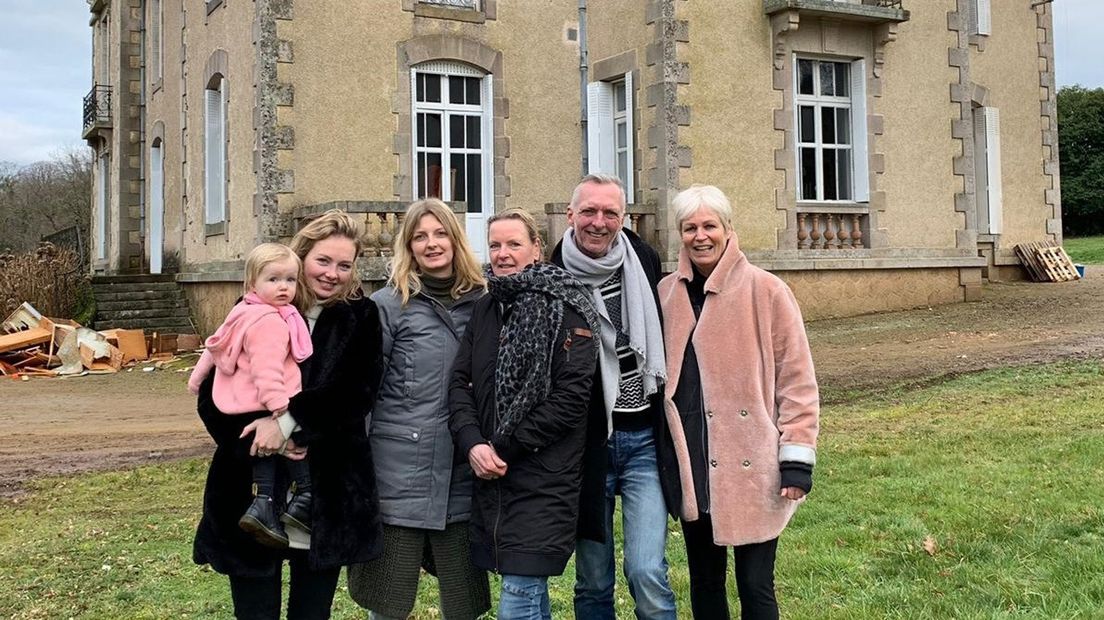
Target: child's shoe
x=298 y=511
x=260 y=521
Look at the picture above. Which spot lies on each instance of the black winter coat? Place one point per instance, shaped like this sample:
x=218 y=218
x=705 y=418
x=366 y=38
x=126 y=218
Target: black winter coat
x=592 y=508
x=524 y=523
x=339 y=384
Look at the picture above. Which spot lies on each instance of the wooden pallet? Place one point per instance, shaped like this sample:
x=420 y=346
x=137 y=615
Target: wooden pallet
x=1046 y=262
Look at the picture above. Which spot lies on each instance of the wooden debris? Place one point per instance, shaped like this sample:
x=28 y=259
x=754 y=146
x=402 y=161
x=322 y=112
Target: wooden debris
x=132 y=342
x=1046 y=261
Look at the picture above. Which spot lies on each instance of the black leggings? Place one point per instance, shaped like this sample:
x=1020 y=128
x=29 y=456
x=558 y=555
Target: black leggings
x=708 y=563
x=311 y=596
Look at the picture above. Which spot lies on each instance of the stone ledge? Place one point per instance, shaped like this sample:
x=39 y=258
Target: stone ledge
x=772 y=262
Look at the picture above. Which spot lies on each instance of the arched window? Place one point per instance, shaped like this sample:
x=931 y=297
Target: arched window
x=215 y=139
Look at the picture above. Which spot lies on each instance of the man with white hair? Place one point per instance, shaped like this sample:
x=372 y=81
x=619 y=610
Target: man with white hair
x=625 y=409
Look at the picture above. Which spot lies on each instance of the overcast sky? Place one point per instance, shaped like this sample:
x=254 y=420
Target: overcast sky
x=45 y=67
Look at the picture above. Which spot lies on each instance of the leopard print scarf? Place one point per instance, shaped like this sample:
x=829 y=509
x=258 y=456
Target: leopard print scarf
x=534 y=300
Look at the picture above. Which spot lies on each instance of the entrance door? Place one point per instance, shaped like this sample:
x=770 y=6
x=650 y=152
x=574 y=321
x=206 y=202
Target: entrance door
x=156 y=207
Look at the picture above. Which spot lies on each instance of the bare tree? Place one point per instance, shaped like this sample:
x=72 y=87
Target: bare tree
x=45 y=197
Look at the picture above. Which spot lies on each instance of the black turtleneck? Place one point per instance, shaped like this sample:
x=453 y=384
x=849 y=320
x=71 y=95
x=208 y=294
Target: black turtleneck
x=439 y=289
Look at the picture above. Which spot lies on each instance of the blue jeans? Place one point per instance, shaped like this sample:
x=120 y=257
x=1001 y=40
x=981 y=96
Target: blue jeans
x=524 y=598
x=634 y=474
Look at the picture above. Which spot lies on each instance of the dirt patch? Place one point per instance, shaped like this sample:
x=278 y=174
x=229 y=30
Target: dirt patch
x=65 y=426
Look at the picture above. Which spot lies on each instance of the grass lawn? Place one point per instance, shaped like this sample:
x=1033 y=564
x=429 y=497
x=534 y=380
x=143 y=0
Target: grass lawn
x=978 y=497
x=1085 y=249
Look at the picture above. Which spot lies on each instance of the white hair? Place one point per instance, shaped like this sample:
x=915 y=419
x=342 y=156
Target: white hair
x=687 y=202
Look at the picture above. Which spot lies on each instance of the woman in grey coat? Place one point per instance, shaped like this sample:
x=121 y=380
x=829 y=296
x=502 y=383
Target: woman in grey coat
x=424 y=489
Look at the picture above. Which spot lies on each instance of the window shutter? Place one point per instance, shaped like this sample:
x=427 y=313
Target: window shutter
x=993 y=169
x=984 y=19
x=859 y=135
x=157 y=208
x=630 y=141
x=600 y=155
x=102 y=178
x=215 y=145
x=981 y=174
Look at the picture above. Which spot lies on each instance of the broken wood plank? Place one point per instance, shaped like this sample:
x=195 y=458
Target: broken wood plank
x=24 y=339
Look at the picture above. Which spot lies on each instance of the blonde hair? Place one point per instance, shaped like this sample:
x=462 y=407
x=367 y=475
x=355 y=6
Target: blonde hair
x=264 y=255
x=332 y=223
x=692 y=199
x=405 y=277
x=526 y=219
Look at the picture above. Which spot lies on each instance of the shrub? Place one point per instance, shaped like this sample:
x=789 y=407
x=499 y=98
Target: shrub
x=48 y=277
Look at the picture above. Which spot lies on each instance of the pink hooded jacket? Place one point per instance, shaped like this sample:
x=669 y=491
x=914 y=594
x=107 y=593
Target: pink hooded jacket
x=255 y=355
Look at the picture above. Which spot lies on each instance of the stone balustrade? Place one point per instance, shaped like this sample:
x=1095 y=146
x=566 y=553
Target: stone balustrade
x=382 y=219
x=639 y=218
x=827 y=229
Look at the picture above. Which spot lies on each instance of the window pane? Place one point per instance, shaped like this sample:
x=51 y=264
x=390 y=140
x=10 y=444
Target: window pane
x=827 y=78
x=432 y=88
x=828 y=125
x=475 y=183
x=844 y=174
x=622 y=135
x=456 y=89
x=623 y=167
x=456 y=131
x=474 y=91
x=808 y=129
x=421 y=189
x=619 y=96
x=843 y=79
x=843 y=126
x=458 y=181
x=419 y=85
x=432 y=130
x=473 y=132
x=830 y=188
x=433 y=175
x=808 y=174
x=420 y=126
x=805 y=77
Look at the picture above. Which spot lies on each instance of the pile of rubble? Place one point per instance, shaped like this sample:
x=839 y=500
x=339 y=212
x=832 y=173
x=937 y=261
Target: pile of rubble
x=32 y=345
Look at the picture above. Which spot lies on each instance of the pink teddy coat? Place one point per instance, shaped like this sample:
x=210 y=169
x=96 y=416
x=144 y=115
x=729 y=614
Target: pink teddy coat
x=761 y=399
x=252 y=356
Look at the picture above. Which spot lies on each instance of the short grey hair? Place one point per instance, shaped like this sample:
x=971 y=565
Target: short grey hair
x=598 y=179
x=687 y=202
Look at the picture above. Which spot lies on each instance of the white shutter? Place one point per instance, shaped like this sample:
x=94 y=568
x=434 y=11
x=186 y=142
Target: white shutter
x=212 y=166
x=600 y=154
x=101 y=207
x=859 y=135
x=993 y=169
x=630 y=141
x=984 y=19
x=981 y=172
x=157 y=208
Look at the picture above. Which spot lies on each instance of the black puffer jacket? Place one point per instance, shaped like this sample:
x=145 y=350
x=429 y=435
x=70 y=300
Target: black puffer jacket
x=339 y=383
x=524 y=523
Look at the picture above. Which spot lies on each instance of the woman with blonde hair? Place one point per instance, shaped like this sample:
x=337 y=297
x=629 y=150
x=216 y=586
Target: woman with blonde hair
x=424 y=488
x=742 y=406
x=328 y=415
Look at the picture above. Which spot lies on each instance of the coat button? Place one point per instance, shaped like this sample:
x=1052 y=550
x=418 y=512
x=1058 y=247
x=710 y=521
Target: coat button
x=414 y=435
x=709 y=414
x=713 y=462
x=747 y=463
x=743 y=413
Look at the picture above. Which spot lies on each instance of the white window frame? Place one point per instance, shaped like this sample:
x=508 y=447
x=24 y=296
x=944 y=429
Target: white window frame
x=215 y=162
x=987 y=171
x=604 y=145
x=979 y=15
x=855 y=103
x=476 y=215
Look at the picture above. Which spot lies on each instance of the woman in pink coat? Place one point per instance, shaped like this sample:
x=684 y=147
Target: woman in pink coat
x=742 y=406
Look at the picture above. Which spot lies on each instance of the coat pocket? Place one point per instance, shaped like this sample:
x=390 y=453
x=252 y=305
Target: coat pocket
x=396 y=454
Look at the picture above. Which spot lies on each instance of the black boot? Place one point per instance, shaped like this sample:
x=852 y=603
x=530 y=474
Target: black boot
x=260 y=521
x=298 y=512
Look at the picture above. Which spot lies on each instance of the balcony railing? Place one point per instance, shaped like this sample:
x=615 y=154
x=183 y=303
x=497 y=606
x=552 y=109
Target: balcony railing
x=97 y=108
x=818 y=230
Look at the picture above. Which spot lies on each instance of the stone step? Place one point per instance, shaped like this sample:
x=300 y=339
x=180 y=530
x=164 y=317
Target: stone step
x=107 y=307
x=140 y=278
x=141 y=313
x=173 y=325
x=134 y=286
x=134 y=296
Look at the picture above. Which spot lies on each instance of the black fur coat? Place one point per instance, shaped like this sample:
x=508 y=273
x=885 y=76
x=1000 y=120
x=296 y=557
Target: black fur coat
x=339 y=384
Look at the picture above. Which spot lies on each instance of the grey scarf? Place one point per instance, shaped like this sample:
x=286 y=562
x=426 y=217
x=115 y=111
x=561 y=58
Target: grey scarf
x=536 y=298
x=639 y=315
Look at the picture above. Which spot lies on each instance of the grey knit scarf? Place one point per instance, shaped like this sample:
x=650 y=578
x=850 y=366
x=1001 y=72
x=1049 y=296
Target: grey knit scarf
x=535 y=299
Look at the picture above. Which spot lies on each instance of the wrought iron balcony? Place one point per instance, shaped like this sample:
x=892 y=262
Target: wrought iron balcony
x=97 y=110
x=870 y=11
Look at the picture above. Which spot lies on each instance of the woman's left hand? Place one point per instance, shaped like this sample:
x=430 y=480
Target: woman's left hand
x=268 y=439
x=793 y=493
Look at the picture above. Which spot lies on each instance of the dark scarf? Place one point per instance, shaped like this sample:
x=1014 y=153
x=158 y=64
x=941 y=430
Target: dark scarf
x=534 y=300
